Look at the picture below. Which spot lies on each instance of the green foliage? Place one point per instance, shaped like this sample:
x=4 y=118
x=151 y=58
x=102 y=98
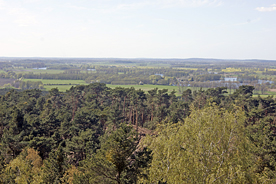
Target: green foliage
x=263 y=136
x=210 y=147
x=207 y=77
x=30 y=85
x=117 y=161
x=23 y=169
x=82 y=134
x=54 y=167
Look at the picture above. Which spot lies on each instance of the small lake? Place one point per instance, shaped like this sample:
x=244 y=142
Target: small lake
x=230 y=79
x=160 y=74
x=40 y=68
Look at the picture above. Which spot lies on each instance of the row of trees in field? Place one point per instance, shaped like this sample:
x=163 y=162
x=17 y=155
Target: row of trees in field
x=28 y=85
x=95 y=134
x=116 y=74
x=260 y=88
x=19 y=84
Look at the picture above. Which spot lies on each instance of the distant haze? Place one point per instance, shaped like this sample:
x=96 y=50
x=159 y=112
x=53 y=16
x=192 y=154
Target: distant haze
x=227 y=29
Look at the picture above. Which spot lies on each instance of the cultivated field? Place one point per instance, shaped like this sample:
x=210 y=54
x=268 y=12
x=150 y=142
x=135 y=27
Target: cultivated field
x=55 y=82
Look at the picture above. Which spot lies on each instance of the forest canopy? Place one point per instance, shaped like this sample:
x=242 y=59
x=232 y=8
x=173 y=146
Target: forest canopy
x=95 y=134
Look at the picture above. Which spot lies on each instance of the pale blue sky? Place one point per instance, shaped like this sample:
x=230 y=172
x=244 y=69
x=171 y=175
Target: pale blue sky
x=226 y=29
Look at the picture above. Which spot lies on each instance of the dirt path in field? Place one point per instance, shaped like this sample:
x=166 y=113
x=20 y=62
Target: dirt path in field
x=272 y=90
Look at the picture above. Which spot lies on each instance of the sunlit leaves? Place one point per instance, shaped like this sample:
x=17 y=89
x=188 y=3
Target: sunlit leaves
x=210 y=146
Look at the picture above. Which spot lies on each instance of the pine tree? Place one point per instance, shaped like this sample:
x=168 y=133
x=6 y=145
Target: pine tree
x=54 y=167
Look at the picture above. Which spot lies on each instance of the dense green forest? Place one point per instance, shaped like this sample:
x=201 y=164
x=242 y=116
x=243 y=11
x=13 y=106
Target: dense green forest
x=95 y=134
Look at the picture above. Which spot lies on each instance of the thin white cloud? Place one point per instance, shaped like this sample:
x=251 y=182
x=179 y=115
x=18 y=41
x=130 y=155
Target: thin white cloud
x=77 y=7
x=125 y=6
x=159 y=19
x=189 y=3
x=267 y=9
x=14 y=12
x=22 y=17
x=2 y=4
x=162 y=4
x=132 y=6
x=31 y=1
x=24 y=21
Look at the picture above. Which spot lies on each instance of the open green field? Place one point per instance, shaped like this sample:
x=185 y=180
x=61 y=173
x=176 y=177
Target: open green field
x=268 y=92
x=67 y=84
x=52 y=81
x=134 y=64
x=67 y=87
x=152 y=65
x=36 y=71
x=262 y=96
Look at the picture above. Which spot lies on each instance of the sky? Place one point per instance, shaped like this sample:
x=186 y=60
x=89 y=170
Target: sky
x=222 y=29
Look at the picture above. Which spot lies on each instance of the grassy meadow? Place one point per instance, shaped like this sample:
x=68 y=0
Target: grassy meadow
x=53 y=81
x=64 y=85
x=37 y=71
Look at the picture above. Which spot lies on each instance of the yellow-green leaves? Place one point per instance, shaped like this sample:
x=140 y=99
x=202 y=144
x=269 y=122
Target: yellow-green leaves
x=24 y=169
x=210 y=147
